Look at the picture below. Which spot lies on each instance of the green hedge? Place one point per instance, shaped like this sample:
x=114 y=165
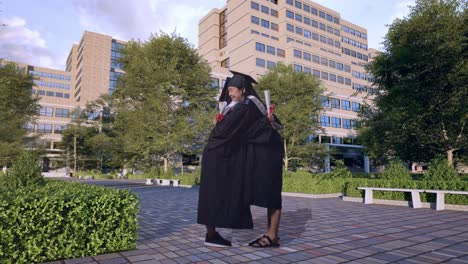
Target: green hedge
x=65 y=220
x=304 y=182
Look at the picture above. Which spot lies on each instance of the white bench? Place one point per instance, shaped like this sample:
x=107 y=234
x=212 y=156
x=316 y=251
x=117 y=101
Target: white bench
x=168 y=182
x=440 y=202
x=149 y=182
x=415 y=198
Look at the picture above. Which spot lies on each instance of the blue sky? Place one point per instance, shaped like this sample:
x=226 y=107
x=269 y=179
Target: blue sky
x=42 y=32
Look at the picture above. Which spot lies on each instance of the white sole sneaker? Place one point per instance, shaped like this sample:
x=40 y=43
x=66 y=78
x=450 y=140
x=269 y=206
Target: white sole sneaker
x=208 y=244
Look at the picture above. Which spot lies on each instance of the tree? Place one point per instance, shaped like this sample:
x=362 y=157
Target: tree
x=421 y=108
x=163 y=100
x=297 y=97
x=17 y=108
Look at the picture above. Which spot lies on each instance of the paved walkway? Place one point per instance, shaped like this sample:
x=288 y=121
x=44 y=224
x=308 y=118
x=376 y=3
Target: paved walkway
x=312 y=231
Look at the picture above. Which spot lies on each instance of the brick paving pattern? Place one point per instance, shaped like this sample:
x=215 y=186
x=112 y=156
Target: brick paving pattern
x=312 y=231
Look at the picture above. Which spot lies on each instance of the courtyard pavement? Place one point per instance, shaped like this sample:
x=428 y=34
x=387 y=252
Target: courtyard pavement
x=312 y=231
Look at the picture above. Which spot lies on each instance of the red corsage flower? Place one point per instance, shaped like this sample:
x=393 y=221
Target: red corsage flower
x=219 y=117
x=272 y=108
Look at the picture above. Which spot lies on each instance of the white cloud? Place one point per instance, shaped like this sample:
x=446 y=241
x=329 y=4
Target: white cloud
x=126 y=20
x=20 y=43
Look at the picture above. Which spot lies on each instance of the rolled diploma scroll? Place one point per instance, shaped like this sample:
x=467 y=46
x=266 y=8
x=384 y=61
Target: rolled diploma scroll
x=267 y=100
x=222 y=105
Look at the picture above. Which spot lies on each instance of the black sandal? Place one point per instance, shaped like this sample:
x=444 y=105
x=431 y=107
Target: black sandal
x=271 y=243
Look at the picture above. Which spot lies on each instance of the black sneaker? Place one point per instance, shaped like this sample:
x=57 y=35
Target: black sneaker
x=217 y=241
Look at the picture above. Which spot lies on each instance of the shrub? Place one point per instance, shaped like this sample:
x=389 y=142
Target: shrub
x=25 y=171
x=439 y=170
x=396 y=170
x=65 y=220
x=339 y=171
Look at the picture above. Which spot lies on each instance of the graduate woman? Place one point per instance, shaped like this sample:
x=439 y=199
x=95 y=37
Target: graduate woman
x=223 y=200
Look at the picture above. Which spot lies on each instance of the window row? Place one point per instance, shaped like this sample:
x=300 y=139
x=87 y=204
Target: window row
x=265 y=63
x=263 y=9
x=335 y=103
x=59 y=112
x=354 y=32
x=270 y=49
x=289 y=39
x=264 y=23
x=323 y=75
x=50 y=75
x=337 y=122
x=46 y=128
x=355 y=43
x=355 y=54
x=322 y=139
x=311 y=35
x=52 y=85
x=312 y=23
x=364 y=88
x=254 y=32
x=313 y=11
x=50 y=93
x=113 y=81
x=321 y=60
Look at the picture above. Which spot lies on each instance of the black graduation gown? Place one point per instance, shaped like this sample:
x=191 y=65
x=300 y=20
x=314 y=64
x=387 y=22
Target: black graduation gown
x=223 y=201
x=265 y=162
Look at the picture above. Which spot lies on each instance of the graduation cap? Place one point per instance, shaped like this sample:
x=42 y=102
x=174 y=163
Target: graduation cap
x=239 y=80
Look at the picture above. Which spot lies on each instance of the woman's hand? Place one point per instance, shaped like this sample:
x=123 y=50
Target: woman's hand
x=271 y=111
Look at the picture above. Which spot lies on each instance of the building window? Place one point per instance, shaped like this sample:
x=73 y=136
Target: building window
x=331 y=64
x=323 y=39
x=315 y=36
x=324 y=61
x=346 y=105
x=281 y=53
x=274 y=26
x=336 y=122
x=60 y=95
x=270 y=64
x=348 y=81
x=322 y=14
x=356 y=107
x=40 y=92
x=265 y=10
x=298 y=54
x=44 y=128
x=330 y=42
x=316 y=73
x=307 y=56
x=255 y=20
x=289 y=14
x=289 y=27
x=306 y=20
x=289 y=40
x=307 y=34
x=58 y=129
x=298 y=17
x=346 y=123
x=259 y=47
x=225 y=63
x=298 y=4
x=67 y=95
x=46 y=111
x=339 y=66
x=306 y=8
x=274 y=13
x=332 y=77
x=297 y=68
x=299 y=31
x=265 y=23
x=313 y=11
x=307 y=70
x=290 y=2
x=254 y=5
x=324 y=75
x=214 y=83
x=49 y=93
x=347 y=68
x=260 y=63
x=335 y=103
x=30 y=127
x=329 y=18
x=322 y=26
x=271 y=50
x=325 y=101
x=315 y=58
x=325 y=121
x=340 y=79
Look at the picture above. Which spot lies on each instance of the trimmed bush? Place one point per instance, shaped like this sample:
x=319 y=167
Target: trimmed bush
x=25 y=171
x=396 y=171
x=306 y=183
x=439 y=170
x=65 y=220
